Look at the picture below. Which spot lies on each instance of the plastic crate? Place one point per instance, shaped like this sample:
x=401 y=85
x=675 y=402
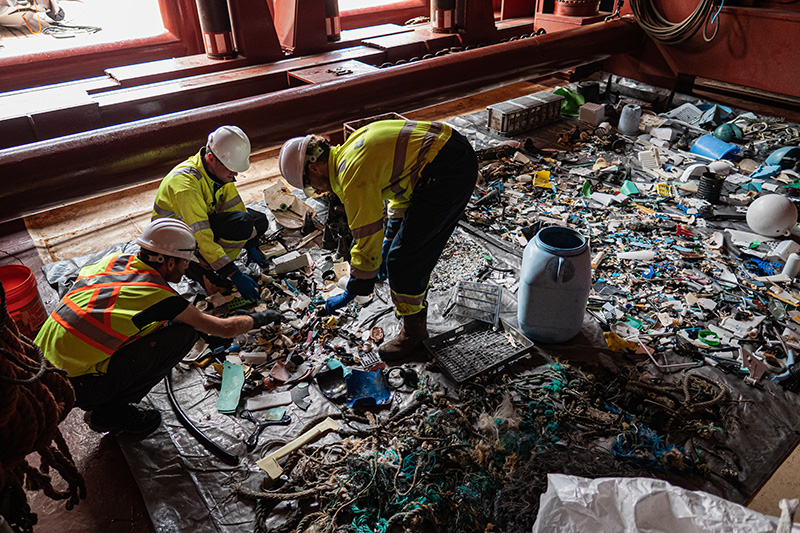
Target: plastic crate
x=475 y=348
x=353 y=125
x=524 y=113
x=480 y=301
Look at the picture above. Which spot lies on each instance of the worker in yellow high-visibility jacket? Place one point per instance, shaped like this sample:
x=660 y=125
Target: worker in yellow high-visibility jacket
x=121 y=327
x=201 y=192
x=426 y=171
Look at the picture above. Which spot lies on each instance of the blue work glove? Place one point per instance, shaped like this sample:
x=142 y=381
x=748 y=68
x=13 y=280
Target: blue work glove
x=355 y=287
x=254 y=256
x=247 y=287
x=335 y=303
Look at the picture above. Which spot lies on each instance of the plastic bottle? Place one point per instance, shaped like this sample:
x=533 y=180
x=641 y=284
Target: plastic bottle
x=555 y=281
x=792 y=266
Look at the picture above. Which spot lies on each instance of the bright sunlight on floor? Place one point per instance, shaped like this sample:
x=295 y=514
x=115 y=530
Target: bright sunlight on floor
x=118 y=20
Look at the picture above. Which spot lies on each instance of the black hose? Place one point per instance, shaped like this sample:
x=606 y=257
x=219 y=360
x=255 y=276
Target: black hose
x=222 y=454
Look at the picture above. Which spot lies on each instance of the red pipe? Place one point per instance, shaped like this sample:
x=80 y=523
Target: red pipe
x=46 y=173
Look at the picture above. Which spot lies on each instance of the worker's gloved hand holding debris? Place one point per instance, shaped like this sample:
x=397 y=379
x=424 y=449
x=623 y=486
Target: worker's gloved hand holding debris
x=246 y=285
x=355 y=287
x=360 y=287
x=264 y=318
x=254 y=256
x=337 y=302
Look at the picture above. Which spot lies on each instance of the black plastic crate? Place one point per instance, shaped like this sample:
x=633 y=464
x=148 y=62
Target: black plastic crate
x=474 y=348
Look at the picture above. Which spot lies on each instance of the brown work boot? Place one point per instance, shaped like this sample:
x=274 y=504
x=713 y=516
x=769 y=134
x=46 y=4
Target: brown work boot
x=415 y=330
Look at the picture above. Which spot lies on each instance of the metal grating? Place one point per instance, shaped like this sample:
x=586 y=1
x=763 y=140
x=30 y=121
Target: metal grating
x=475 y=348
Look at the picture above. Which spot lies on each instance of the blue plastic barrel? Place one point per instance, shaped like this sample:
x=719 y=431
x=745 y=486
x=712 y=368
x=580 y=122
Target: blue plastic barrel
x=554 y=286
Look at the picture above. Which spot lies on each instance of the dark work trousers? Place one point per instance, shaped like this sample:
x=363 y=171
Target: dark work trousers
x=230 y=226
x=135 y=368
x=238 y=226
x=437 y=202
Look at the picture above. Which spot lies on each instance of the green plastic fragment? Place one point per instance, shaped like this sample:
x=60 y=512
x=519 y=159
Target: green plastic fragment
x=634 y=323
x=232 y=383
x=239 y=302
x=572 y=102
x=629 y=188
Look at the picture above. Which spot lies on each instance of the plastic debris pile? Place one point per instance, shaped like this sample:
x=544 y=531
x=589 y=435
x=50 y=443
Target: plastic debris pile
x=691 y=219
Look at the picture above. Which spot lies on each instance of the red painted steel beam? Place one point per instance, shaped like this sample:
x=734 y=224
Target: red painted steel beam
x=47 y=173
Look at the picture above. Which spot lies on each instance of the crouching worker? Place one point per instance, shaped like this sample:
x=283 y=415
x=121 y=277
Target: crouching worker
x=427 y=173
x=201 y=191
x=122 y=328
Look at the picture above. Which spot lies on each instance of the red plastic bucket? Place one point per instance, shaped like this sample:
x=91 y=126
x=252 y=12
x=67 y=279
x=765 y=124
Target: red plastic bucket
x=22 y=298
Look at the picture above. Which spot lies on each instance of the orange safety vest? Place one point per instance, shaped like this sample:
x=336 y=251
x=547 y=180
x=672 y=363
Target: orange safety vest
x=95 y=318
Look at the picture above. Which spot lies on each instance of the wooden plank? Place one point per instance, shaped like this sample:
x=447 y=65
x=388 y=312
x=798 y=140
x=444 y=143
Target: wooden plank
x=169 y=69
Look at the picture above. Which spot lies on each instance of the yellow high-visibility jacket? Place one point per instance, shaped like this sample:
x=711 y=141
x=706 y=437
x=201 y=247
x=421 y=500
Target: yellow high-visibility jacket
x=189 y=194
x=95 y=318
x=380 y=161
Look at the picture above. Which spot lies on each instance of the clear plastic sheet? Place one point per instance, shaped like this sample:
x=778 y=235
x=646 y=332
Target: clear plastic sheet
x=575 y=504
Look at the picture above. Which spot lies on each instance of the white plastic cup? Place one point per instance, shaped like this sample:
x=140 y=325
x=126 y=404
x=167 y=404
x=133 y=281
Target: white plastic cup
x=792 y=266
x=629 y=119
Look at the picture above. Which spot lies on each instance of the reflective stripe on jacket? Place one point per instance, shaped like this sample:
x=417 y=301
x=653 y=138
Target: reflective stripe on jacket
x=95 y=318
x=188 y=193
x=380 y=161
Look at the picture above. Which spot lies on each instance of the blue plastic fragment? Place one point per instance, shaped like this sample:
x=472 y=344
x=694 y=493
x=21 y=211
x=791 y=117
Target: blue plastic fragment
x=765 y=171
x=367 y=388
x=785 y=157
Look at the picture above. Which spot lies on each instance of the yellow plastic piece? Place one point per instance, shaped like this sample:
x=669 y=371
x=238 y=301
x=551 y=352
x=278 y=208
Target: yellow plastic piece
x=542 y=179
x=664 y=189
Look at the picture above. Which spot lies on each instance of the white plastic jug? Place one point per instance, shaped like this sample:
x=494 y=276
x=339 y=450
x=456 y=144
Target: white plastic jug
x=554 y=285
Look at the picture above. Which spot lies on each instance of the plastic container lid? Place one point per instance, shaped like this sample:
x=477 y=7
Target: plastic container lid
x=712 y=148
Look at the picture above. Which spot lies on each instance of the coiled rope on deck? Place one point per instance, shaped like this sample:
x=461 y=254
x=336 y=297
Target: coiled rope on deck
x=34 y=398
x=661 y=29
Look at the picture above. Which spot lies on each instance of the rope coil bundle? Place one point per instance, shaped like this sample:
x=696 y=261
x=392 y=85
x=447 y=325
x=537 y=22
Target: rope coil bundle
x=34 y=398
x=661 y=29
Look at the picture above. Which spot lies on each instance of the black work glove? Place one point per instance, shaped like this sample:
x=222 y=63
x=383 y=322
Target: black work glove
x=266 y=317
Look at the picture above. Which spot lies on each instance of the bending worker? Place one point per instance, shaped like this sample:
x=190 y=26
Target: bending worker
x=201 y=191
x=427 y=172
x=121 y=328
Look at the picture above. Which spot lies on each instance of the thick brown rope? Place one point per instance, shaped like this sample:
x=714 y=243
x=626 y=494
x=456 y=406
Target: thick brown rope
x=34 y=398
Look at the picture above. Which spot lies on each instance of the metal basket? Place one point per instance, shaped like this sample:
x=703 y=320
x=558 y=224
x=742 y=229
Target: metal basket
x=475 y=348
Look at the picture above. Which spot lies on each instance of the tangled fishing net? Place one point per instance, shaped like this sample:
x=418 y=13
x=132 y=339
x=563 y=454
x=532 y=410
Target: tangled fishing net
x=477 y=459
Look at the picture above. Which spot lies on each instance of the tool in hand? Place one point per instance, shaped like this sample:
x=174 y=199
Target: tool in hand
x=252 y=440
x=270 y=463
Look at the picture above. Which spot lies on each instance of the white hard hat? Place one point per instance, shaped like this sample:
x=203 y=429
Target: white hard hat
x=170 y=237
x=231 y=146
x=292 y=160
x=772 y=215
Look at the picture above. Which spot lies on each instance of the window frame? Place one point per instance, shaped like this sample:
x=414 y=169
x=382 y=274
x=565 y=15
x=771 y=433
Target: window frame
x=88 y=61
